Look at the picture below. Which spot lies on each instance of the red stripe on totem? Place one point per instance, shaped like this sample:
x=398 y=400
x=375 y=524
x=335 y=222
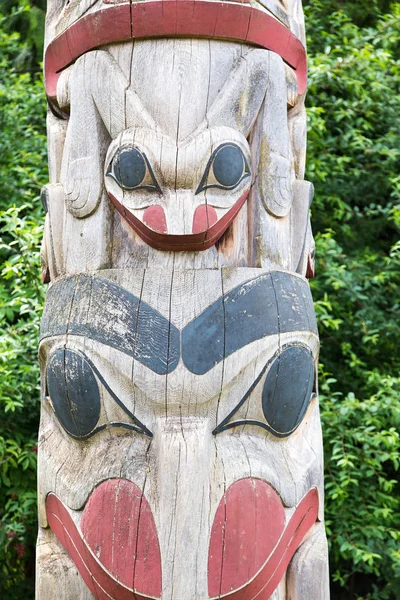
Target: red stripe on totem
x=100 y=580
x=251 y=518
x=194 y=18
x=189 y=242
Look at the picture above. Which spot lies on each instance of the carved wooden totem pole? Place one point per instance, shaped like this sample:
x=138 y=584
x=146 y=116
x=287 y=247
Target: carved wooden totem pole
x=180 y=438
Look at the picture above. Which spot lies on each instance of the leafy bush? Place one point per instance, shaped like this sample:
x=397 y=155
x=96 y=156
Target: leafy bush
x=354 y=162
x=23 y=169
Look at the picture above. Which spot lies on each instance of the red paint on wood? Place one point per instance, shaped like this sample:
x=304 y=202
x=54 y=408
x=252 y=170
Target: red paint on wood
x=310 y=272
x=247 y=526
x=127 y=567
x=204 y=217
x=91 y=31
x=119 y=527
x=158 y=18
x=154 y=217
x=176 y=243
x=250 y=546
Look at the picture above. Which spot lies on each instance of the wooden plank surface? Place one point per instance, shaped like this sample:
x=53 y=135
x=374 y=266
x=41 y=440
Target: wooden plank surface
x=180 y=446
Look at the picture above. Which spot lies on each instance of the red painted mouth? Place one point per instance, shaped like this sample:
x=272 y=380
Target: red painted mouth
x=118 y=555
x=207 y=228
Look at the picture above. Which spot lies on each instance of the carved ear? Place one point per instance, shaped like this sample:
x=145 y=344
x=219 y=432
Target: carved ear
x=240 y=99
x=97 y=92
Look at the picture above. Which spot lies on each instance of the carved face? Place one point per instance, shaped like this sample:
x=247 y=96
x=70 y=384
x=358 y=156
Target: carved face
x=179 y=197
x=180 y=411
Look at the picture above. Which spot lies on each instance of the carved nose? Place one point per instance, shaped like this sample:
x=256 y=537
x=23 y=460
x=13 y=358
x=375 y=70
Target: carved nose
x=184 y=451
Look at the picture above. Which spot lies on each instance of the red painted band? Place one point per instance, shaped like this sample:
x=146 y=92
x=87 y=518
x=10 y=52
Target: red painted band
x=175 y=18
x=176 y=243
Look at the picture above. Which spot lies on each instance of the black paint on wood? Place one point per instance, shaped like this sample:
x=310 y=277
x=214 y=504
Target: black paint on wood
x=249 y=312
x=131 y=169
x=288 y=389
x=74 y=398
x=96 y=308
x=74 y=392
x=226 y=168
x=287 y=392
x=103 y=311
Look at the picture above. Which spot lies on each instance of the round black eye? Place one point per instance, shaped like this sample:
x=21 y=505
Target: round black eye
x=288 y=389
x=129 y=168
x=229 y=165
x=74 y=392
x=226 y=168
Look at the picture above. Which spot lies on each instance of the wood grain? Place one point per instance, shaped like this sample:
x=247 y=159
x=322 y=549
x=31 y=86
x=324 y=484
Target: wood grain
x=180 y=444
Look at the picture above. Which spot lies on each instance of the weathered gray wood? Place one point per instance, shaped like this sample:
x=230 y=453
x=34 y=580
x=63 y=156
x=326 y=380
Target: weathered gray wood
x=180 y=447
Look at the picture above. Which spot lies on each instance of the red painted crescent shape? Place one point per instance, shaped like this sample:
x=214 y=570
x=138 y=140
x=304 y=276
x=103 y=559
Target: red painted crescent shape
x=250 y=546
x=163 y=18
x=191 y=241
x=110 y=563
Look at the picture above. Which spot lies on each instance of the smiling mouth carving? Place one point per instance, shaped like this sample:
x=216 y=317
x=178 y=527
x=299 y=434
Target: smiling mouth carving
x=156 y=236
x=123 y=562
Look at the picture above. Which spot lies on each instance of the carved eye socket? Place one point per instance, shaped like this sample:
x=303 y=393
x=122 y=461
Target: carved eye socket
x=226 y=168
x=287 y=390
x=131 y=169
x=72 y=384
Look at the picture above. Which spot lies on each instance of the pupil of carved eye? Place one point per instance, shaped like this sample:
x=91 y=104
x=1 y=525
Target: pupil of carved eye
x=228 y=166
x=74 y=392
x=131 y=167
x=288 y=389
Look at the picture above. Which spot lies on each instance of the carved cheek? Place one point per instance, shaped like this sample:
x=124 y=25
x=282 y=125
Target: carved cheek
x=118 y=526
x=251 y=541
x=154 y=217
x=204 y=217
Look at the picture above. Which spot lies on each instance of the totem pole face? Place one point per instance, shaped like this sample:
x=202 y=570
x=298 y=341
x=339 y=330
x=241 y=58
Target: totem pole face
x=180 y=442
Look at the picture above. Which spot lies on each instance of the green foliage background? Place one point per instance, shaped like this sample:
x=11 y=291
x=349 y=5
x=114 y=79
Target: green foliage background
x=354 y=162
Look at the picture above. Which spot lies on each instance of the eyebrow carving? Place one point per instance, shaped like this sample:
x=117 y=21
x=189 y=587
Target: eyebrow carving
x=247 y=313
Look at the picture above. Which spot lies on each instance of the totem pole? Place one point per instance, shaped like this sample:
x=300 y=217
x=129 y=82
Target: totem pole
x=180 y=442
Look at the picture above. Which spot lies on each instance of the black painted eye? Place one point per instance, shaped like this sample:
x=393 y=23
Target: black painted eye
x=288 y=389
x=131 y=169
x=74 y=392
x=226 y=168
x=288 y=382
x=75 y=396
